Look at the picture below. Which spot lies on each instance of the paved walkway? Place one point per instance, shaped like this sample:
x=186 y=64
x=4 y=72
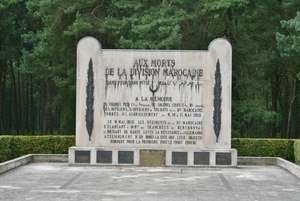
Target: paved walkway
x=58 y=181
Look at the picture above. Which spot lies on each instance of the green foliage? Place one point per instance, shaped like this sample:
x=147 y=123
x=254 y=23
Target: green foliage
x=68 y=110
x=16 y=146
x=38 y=55
x=289 y=43
x=264 y=147
x=5 y=151
x=297 y=151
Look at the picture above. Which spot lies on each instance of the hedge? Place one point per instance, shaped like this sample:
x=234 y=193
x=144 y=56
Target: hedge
x=297 y=151
x=16 y=146
x=283 y=148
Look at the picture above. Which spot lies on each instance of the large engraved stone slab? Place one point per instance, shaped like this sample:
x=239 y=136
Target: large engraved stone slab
x=153 y=99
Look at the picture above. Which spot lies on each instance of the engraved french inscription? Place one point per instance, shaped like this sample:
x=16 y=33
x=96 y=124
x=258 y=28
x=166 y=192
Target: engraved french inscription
x=153 y=99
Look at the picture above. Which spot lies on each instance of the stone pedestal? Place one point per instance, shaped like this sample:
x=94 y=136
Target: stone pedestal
x=152 y=157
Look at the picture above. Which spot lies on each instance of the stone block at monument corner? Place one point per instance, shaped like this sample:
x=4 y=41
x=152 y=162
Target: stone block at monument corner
x=177 y=102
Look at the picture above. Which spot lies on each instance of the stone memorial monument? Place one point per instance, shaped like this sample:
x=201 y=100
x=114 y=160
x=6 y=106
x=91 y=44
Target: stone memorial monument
x=153 y=107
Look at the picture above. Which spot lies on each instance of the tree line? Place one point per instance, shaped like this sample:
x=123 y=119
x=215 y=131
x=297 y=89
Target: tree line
x=38 y=41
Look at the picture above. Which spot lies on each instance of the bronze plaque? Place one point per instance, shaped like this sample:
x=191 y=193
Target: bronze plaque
x=82 y=156
x=104 y=156
x=125 y=157
x=201 y=158
x=223 y=158
x=179 y=158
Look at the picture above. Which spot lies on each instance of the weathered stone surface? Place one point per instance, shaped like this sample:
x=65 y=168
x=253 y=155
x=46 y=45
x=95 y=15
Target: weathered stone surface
x=59 y=181
x=153 y=99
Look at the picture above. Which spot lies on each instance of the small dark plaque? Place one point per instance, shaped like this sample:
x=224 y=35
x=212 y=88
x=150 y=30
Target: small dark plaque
x=201 y=158
x=82 y=157
x=179 y=158
x=125 y=157
x=104 y=156
x=223 y=158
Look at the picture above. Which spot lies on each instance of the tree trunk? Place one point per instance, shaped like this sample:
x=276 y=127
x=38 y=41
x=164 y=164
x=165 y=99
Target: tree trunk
x=26 y=112
x=15 y=104
x=21 y=102
x=33 y=115
x=2 y=97
x=43 y=115
x=285 y=102
x=49 y=106
x=293 y=116
x=274 y=94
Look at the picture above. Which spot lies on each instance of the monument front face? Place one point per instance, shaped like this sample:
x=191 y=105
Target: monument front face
x=153 y=99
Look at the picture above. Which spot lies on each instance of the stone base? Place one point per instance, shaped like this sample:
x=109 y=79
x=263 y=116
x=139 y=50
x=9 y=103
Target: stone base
x=152 y=157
